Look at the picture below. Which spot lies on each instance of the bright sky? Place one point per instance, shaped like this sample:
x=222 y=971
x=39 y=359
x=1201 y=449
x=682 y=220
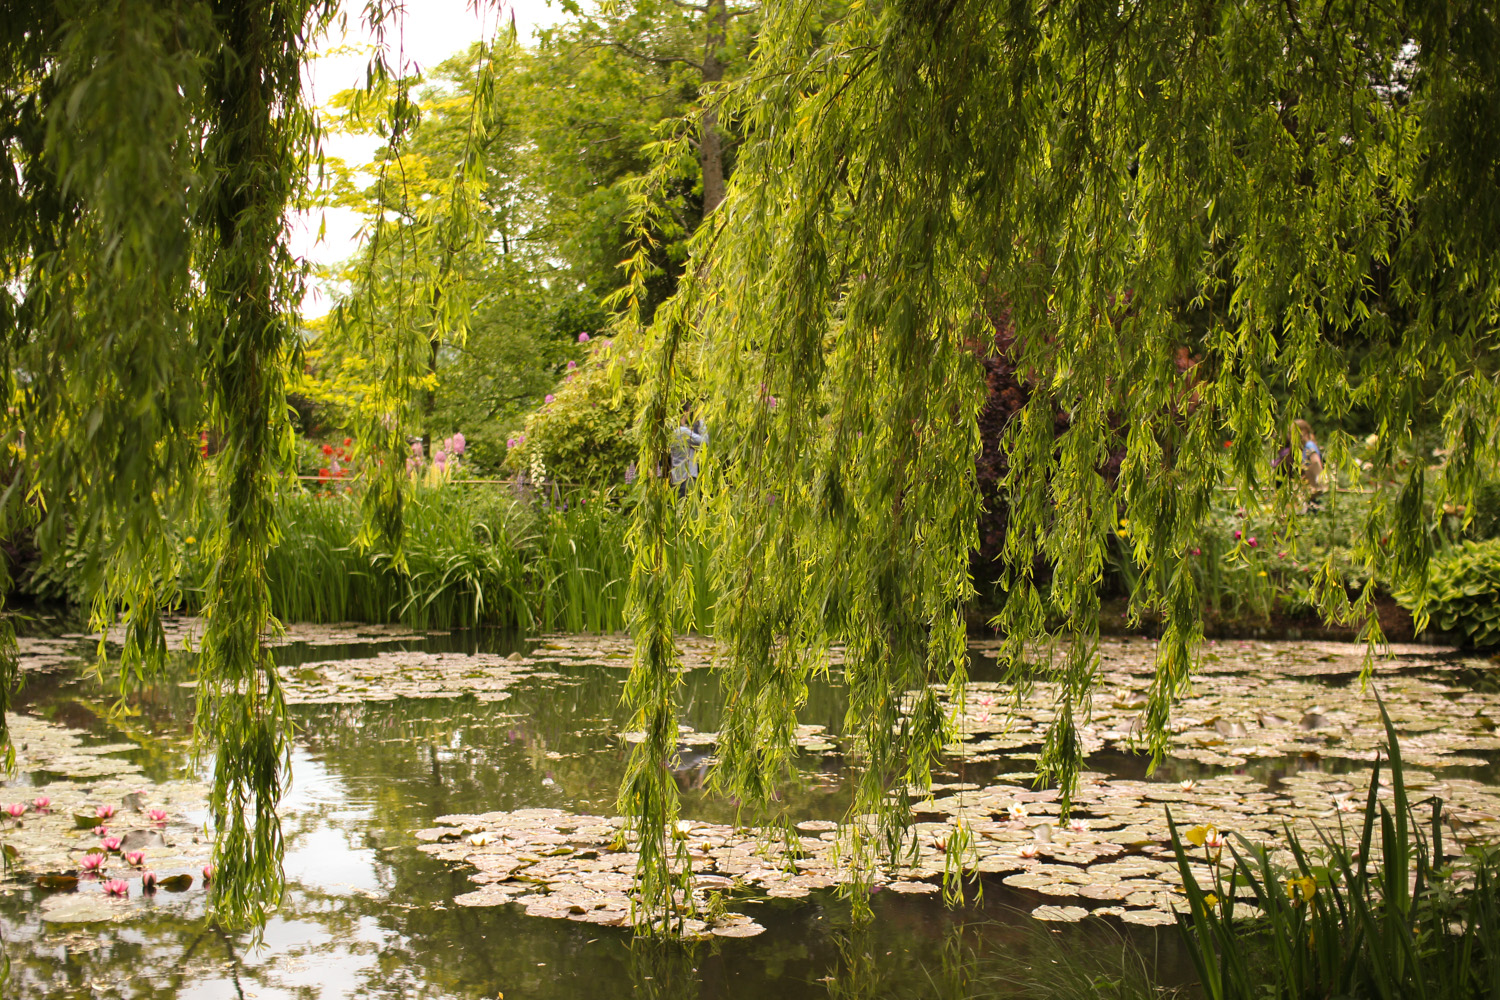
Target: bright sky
x=428 y=32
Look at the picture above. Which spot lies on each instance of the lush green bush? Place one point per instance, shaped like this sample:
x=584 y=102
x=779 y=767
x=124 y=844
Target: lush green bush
x=1464 y=594
x=581 y=434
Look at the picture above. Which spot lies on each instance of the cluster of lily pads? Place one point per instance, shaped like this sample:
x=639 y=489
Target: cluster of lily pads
x=88 y=827
x=1298 y=704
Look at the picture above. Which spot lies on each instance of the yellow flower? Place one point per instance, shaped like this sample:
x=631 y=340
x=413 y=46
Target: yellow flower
x=1301 y=889
x=1261 y=573
x=1210 y=900
x=190 y=539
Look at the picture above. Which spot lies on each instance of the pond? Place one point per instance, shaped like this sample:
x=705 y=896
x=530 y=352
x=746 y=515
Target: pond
x=427 y=765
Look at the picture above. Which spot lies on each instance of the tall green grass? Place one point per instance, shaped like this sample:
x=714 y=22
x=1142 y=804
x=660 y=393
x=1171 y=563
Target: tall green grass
x=474 y=556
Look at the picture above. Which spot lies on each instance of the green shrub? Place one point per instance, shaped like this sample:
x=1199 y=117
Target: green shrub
x=581 y=435
x=1464 y=594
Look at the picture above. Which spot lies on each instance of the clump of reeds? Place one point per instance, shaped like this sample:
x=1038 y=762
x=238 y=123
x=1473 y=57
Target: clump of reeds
x=1397 y=919
x=474 y=556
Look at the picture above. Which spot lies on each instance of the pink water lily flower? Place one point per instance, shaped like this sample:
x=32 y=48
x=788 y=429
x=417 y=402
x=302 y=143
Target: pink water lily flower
x=104 y=812
x=148 y=881
x=101 y=831
x=40 y=803
x=157 y=815
x=135 y=858
x=117 y=887
x=16 y=809
x=1078 y=826
x=92 y=862
x=110 y=844
x=1027 y=851
x=208 y=873
x=1214 y=840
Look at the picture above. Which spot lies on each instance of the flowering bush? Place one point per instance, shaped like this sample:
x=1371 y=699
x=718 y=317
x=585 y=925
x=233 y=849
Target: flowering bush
x=447 y=459
x=581 y=433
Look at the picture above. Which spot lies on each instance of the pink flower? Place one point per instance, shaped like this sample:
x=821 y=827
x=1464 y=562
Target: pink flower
x=608 y=344
x=1253 y=542
x=40 y=803
x=110 y=844
x=104 y=812
x=116 y=887
x=1078 y=826
x=440 y=456
x=157 y=815
x=583 y=338
x=101 y=831
x=569 y=378
x=1214 y=841
x=572 y=365
x=135 y=858
x=510 y=442
x=208 y=873
x=92 y=862
x=1236 y=534
x=148 y=881
x=549 y=398
x=16 y=809
x=1027 y=851
x=459 y=443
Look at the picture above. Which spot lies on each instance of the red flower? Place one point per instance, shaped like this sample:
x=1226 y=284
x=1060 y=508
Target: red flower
x=328 y=449
x=348 y=442
x=322 y=473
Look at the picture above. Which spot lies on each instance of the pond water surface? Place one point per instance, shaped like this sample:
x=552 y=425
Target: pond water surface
x=366 y=914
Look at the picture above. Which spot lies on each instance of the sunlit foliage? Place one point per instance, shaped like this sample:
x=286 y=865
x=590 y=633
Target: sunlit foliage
x=1304 y=196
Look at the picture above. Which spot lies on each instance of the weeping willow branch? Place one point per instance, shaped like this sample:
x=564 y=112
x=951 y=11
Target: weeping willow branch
x=1299 y=204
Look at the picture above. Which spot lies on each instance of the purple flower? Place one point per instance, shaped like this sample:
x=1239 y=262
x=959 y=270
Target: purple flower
x=459 y=444
x=551 y=397
x=583 y=338
x=510 y=442
x=572 y=365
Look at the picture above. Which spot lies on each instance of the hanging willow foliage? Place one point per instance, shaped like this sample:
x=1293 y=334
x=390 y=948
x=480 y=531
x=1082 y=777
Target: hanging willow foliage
x=151 y=150
x=1305 y=196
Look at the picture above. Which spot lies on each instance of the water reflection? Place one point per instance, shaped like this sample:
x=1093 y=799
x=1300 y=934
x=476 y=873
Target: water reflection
x=367 y=915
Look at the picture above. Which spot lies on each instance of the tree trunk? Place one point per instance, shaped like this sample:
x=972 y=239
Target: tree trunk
x=710 y=146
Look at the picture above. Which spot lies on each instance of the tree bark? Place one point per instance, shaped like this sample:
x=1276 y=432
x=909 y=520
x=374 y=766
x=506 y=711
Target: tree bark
x=710 y=146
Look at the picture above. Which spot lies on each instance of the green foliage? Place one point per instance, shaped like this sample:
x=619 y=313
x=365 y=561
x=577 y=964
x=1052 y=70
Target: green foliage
x=149 y=153
x=1463 y=593
x=1389 y=919
x=581 y=435
x=474 y=556
x=1301 y=196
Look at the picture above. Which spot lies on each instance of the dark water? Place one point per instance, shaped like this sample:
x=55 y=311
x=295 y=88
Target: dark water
x=367 y=915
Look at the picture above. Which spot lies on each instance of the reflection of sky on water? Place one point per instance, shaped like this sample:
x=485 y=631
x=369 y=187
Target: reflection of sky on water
x=367 y=915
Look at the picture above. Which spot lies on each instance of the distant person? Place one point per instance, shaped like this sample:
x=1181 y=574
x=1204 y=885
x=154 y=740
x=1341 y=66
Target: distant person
x=1311 y=460
x=686 y=440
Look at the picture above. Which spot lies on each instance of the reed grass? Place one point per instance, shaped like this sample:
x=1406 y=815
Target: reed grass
x=1397 y=919
x=474 y=556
